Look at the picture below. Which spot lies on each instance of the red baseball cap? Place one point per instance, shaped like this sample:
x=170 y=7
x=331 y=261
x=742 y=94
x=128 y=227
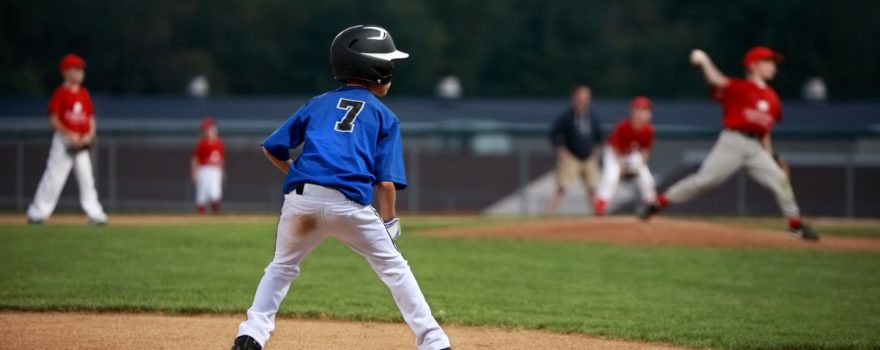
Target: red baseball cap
x=641 y=102
x=207 y=122
x=760 y=53
x=71 y=61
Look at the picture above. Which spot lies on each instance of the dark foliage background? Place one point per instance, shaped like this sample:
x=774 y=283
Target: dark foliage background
x=496 y=47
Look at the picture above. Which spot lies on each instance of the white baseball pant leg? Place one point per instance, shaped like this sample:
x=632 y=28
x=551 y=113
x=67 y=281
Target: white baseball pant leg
x=305 y=221
x=611 y=175
x=209 y=184
x=58 y=168
x=644 y=178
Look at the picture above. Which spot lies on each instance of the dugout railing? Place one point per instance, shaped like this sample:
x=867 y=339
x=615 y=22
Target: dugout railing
x=453 y=168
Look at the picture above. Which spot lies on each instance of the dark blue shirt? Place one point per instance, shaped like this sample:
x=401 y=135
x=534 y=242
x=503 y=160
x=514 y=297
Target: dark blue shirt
x=578 y=134
x=351 y=141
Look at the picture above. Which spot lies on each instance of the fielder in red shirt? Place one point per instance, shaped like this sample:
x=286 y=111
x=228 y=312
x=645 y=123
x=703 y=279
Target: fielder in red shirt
x=626 y=154
x=207 y=167
x=72 y=116
x=750 y=108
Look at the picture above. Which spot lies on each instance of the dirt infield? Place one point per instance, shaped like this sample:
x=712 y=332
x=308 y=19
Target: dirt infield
x=150 y=331
x=660 y=232
x=735 y=233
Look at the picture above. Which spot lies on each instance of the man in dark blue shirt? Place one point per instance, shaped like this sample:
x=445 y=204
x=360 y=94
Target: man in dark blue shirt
x=576 y=135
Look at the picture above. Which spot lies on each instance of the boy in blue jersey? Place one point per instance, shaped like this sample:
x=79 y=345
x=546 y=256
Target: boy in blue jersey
x=351 y=144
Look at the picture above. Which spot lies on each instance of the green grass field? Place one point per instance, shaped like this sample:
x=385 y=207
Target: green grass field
x=697 y=297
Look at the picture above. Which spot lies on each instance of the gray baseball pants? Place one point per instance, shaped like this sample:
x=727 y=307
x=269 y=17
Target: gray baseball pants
x=731 y=152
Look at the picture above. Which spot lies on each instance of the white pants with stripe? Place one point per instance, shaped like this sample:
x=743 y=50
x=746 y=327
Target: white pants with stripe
x=612 y=166
x=58 y=168
x=209 y=184
x=305 y=221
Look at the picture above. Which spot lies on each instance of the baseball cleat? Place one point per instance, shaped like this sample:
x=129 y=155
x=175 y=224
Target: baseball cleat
x=648 y=210
x=245 y=342
x=804 y=232
x=599 y=207
x=96 y=222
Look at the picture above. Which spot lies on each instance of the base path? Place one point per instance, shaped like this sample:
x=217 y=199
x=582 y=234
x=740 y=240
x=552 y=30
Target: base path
x=24 y=330
x=659 y=231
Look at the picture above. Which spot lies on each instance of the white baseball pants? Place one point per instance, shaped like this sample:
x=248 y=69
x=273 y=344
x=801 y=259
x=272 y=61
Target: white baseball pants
x=611 y=170
x=209 y=184
x=305 y=221
x=57 y=169
x=731 y=152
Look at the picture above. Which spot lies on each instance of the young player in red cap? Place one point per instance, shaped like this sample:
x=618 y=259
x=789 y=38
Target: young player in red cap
x=207 y=166
x=627 y=152
x=751 y=108
x=72 y=116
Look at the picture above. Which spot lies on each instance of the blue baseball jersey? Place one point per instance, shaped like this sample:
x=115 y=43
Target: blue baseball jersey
x=351 y=142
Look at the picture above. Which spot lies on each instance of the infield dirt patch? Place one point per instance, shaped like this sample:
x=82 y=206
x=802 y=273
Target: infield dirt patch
x=149 y=331
x=662 y=231
x=657 y=232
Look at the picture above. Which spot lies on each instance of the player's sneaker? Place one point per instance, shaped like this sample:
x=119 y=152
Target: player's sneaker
x=245 y=342
x=803 y=232
x=599 y=207
x=648 y=210
x=32 y=221
x=98 y=222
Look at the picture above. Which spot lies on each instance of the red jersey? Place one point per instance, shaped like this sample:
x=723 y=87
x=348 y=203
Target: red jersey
x=209 y=152
x=625 y=138
x=73 y=108
x=749 y=106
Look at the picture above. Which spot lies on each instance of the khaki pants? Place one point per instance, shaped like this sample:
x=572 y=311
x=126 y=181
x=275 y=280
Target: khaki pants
x=569 y=168
x=731 y=152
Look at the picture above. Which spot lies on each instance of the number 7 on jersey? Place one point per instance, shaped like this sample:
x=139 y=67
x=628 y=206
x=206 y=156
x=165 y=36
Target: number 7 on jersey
x=352 y=109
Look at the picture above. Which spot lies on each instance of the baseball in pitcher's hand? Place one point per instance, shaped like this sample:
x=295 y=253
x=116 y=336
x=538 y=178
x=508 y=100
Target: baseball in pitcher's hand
x=698 y=57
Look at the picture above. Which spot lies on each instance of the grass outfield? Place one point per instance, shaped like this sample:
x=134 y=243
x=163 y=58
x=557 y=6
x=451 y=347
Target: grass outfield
x=698 y=297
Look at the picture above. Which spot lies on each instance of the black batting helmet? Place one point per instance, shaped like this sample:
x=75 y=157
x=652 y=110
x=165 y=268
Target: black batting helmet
x=364 y=53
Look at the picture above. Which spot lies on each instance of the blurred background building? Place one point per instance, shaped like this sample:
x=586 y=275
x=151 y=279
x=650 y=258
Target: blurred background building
x=475 y=100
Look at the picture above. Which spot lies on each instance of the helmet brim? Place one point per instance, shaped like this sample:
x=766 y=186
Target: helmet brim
x=396 y=55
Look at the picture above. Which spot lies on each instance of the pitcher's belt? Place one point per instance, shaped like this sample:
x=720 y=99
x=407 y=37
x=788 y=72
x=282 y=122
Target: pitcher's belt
x=747 y=133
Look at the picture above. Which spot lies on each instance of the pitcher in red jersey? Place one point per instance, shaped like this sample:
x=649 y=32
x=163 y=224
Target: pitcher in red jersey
x=750 y=109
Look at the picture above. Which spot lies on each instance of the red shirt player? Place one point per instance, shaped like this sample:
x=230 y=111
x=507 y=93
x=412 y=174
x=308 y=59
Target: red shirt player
x=73 y=118
x=636 y=132
x=627 y=152
x=207 y=167
x=750 y=108
x=72 y=113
